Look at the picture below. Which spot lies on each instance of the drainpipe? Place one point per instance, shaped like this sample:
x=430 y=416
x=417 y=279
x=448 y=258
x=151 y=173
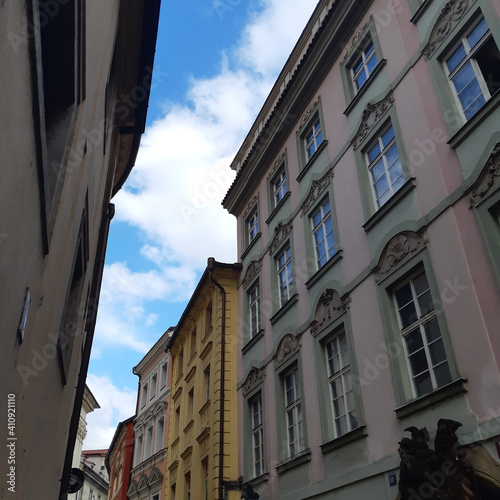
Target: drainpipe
x=210 y=266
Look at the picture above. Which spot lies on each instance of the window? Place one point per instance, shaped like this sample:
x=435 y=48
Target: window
x=148 y=443
x=252 y=225
x=473 y=68
x=163 y=374
x=257 y=436
x=144 y=395
x=204 y=468
x=384 y=165
x=322 y=228
x=188 y=485
x=154 y=379
x=138 y=450
x=284 y=268
x=191 y=403
x=293 y=410
x=340 y=381
x=254 y=307
x=363 y=65
x=192 y=349
x=206 y=374
x=180 y=366
x=279 y=186
x=312 y=137
x=423 y=344
x=208 y=317
x=172 y=489
x=177 y=420
x=159 y=434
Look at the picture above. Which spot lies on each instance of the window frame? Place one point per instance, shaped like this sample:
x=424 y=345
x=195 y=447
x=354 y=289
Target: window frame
x=252 y=225
x=364 y=68
x=320 y=227
x=253 y=332
x=288 y=265
x=295 y=409
x=258 y=466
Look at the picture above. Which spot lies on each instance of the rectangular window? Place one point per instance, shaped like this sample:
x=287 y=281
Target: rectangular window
x=204 y=468
x=172 y=489
x=312 y=138
x=159 y=434
x=341 y=390
x=254 y=307
x=384 y=165
x=191 y=403
x=144 y=395
x=363 y=65
x=257 y=436
x=293 y=411
x=192 y=349
x=425 y=351
x=473 y=68
x=206 y=374
x=188 y=485
x=180 y=365
x=148 y=442
x=284 y=268
x=279 y=186
x=163 y=374
x=253 y=225
x=154 y=379
x=138 y=450
x=322 y=228
x=177 y=420
x=208 y=317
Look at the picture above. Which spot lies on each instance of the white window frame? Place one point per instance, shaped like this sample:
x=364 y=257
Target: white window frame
x=382 y=156
x=252 y=225
x=365 y=63
x=321 y=230
x=342 y=375
x=470 y=53
x=153 y=386
x=293 y=413
x=163 y=374
x=144 y=395
x=421 y=320
x=256 y=414
x=254 y=309
x=159 y=434
x=312 y=137
x=284 y=274
x=279 y=186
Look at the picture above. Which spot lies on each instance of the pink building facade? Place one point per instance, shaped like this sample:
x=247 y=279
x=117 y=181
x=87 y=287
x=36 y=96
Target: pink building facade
x=368 y=202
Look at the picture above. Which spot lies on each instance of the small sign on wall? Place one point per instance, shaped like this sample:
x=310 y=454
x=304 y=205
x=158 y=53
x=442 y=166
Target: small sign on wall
x=393 y=480
x=24 y=316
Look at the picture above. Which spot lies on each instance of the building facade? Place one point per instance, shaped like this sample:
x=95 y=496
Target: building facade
x=203 y=451
x=76 y=84
x=367 y=201
x=96 y=478
x=151 y=423
x=119 y=460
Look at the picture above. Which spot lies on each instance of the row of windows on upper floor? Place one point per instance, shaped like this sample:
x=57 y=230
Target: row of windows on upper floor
x=154 y=383
x=150 y=439
x=474 y=76
x=425 y=359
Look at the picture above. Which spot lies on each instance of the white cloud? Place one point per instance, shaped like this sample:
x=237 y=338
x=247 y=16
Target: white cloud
x=115 y=404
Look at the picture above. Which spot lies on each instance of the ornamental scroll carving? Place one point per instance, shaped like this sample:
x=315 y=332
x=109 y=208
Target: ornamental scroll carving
x=281 y=231
x=487 y=179
x=450 y=15
x=288 y=346
x=398 y=250
x=370 y=118
x=253 y=270
x=317 y=188
x=255 y=377
x=329 y=308
x=355 y=40
x=251 y=205
x=309 y=111
x=279 y=161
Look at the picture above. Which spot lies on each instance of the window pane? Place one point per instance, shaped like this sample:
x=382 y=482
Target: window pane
x=477 y=33
x=413 y=340
x=361 y=79
x=381 y=186
x=443 y=375
x=475 y=107
x=378 y=171
x=423 y=384
x=392 y=155
x=374 y=152
x=395 y=172
x=404 y=295
x=456 y=58
x=388 y=136
x=372 y=63
x=418 y=362
x=437 y=352
x=465 y=76
x=421 y=284
x=432 y=330
x=357 y=65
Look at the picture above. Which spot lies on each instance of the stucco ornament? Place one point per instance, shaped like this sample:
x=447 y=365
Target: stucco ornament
x=251 y=205
x=288 y=346
x=317 y=188
x=396 y=251
x=330 y=307
x=451 y=14
x=487 y=179
x=279 y=161
x=370 y=118
x=254 y=378
x=252 y=271
x=356 y=39
x=309 y=111
x=281 y=231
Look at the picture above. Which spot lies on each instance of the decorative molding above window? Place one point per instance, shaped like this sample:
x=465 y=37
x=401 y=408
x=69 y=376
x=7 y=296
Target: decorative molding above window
x=281 y=231
x=451 y=14
x=253 y=270
x=371 y=116
x=307 y=115
x=397 y=251
x=251 y=205
x=254 y=378
x=330 y=307
x=288 y=346
x=487 y=179
x=317 y=188
x=356 y=39
x=155 y=477
x=277 y=164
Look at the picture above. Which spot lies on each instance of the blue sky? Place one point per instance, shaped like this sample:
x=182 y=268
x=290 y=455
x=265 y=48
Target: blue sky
x=215 y=63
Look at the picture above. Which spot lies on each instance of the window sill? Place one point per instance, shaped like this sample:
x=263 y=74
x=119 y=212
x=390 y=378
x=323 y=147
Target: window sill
x=350 y=437
x=476 y=120
x=204 y=407
x=295 y=461
x=254 y=340
x=207 y=334
x=278 y=207
x=250 y=246
x=311 y=160
x=408 y=186
x=263 y=478
x=336 y=257
x=284 y=308
x=447 y=391
x=362 y=90
x=418 y=14
x=191 y=372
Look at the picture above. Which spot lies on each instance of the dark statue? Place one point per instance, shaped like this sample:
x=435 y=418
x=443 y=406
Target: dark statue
x=442 y=473
x=248 y=493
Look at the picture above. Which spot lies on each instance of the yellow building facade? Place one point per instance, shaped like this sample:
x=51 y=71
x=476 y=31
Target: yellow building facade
x=203 y=408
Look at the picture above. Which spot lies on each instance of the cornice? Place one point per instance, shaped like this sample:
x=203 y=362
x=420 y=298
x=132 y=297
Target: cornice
x=281 y=231
x=316 y=190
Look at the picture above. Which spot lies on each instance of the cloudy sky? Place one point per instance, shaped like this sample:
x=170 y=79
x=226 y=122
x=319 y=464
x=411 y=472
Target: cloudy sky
x=216 y=61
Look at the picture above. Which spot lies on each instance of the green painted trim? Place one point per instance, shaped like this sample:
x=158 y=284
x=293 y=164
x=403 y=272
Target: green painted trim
x=418 y=8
